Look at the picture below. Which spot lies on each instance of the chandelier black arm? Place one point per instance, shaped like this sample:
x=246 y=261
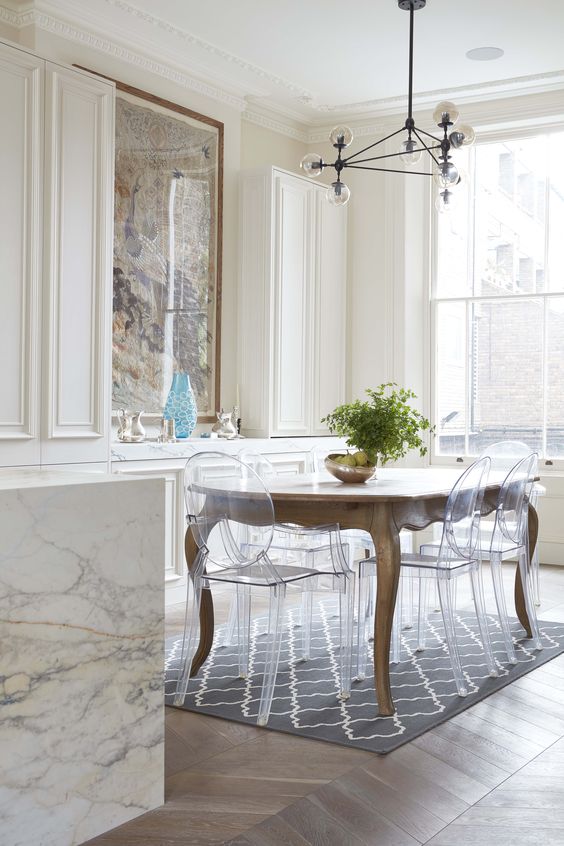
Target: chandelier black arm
x=389 y=170
x=437 y=147
x=393 y=155
x=375 y=144
x=428 y=134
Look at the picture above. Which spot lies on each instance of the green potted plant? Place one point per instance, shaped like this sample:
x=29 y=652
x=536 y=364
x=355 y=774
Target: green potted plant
x=382 y=428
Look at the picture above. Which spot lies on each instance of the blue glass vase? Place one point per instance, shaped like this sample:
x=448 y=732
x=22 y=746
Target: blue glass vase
x=181 y=405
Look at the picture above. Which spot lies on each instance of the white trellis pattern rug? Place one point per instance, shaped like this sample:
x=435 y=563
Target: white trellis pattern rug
x=305 y=698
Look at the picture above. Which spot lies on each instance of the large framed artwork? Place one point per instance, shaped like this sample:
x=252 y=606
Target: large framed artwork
x=167 y=252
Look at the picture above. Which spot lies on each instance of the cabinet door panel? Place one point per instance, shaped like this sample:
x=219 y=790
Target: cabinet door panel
x=293 y=283
x=79 y=175
x=329 y=311
x=21 y=151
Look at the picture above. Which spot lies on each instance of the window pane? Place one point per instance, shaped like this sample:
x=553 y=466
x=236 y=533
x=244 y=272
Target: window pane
x=509 y=217
x=451 y=379
x=453 y=278
x=555 y=281
x=555 y=378
x=506 y=373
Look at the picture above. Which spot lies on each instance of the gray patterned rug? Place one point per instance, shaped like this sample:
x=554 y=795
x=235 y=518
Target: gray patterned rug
x=305 y=699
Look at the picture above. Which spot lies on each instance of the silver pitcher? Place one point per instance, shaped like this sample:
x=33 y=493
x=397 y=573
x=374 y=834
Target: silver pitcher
x=130 y=429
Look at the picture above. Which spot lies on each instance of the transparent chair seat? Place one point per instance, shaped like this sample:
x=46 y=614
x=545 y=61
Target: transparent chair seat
x=261 y=576
x=226 y=509
x=455 y=557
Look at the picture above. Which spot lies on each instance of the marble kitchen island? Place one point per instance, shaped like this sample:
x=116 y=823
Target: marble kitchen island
x=81 y=654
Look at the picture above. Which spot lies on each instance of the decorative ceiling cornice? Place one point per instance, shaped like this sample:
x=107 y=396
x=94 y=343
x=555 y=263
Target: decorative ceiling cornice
x=294 y=90
x=102 y=44
x=516 y=86
x=283 y=127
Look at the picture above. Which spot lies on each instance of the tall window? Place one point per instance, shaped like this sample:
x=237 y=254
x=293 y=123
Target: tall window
x=498 y=302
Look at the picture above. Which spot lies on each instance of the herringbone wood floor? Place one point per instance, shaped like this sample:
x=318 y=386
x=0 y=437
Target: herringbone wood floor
x=491 y=775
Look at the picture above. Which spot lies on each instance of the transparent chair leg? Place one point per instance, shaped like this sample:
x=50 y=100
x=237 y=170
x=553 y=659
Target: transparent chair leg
x=277 y=596
x=436 y=605
x=535 y=576
x=499 y=593
x=479 y=605
x=529 y=603
x=231 y=627
x=408 y=581
x=346 y=613
x=372 y=610
x=307 y=606
x=396 y=629
x=422 y=612
x=243 y=628
x=444 y=587
x=190 y=639
x=365 y=584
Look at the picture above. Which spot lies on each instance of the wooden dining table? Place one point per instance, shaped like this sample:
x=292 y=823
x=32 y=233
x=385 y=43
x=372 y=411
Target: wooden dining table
x=397 y=499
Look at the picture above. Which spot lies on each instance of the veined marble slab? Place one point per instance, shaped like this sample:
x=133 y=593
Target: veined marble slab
x=81 y=655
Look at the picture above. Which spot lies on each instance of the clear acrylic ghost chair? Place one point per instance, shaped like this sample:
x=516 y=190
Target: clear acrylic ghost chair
x=504 y=456
x=455 y=557
x=506 y=536
x=310 y=547
x=227 y=504
x=509 y=539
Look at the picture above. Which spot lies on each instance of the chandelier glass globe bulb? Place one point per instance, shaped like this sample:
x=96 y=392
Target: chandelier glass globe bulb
x=409 y=151
x=446 y=112
x=341 y=137
x=338 y=194
x=445 y=201
x=447 y=175
x=462 y=136
x=312 y=165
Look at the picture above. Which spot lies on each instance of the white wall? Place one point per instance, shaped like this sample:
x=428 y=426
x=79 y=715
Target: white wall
x=260 y=146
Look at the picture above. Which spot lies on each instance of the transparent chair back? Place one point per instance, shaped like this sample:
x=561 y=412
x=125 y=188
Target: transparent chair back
x=227 y=503
x=461 y=527
x=505 y=454
x=512 y=507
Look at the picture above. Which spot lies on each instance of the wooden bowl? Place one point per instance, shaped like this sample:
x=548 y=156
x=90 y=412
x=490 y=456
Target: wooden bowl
x=348 y=474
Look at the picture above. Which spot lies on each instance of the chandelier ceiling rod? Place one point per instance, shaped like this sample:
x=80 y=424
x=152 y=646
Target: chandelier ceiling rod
x=445 y=173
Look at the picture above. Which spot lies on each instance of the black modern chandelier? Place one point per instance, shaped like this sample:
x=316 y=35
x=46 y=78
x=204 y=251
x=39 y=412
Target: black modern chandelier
x=416 y=142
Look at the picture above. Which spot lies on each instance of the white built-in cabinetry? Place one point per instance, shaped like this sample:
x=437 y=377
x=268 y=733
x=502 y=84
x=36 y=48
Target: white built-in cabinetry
x=56 y=214
x=292 y=304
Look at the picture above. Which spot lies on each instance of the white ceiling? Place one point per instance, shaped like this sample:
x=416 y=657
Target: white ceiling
x=306 y=58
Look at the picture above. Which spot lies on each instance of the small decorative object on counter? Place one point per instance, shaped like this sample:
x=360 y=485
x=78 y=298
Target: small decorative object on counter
x=181 y=405
x=130 y=429
x=167 y=435
x=224 y=426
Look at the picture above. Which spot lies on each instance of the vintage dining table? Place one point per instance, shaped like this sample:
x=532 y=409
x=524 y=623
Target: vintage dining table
x=397 y=499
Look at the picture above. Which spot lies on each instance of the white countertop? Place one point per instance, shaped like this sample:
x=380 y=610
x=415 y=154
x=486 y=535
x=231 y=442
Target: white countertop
x=189 y=446
x=14 y=478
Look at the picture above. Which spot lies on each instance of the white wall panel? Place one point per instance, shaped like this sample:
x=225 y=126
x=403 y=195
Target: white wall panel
x=79 y=208
x=293 y=283
x=21 y=151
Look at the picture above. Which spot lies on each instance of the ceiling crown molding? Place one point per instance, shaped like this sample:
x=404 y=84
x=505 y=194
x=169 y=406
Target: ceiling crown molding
x=517 y=86
x=72 y=32
x=275 y=124
x=182 y=34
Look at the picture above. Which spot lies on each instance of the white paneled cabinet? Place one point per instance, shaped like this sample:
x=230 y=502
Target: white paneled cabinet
x=56 y=209
x=292 y=302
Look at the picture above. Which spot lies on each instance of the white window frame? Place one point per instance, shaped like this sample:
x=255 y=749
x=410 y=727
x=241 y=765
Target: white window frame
x=547 y=465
